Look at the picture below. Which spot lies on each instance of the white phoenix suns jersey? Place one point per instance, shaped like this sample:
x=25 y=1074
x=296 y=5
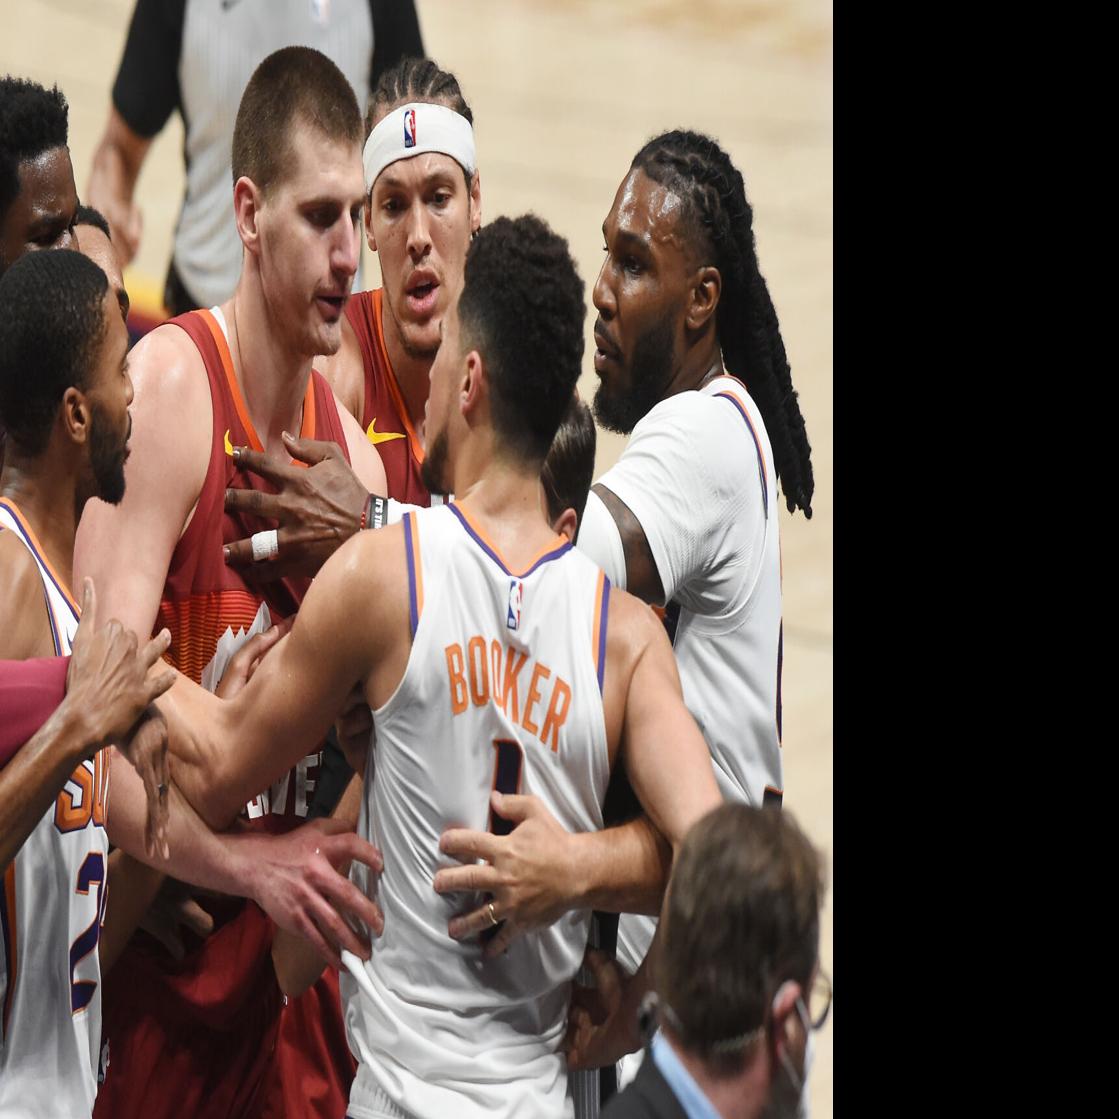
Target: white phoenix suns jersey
x=503 y=689
x=51 y=907
x=698 y=474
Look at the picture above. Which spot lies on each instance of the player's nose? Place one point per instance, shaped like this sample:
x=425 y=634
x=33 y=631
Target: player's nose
x=603 y=295
x=419 y=231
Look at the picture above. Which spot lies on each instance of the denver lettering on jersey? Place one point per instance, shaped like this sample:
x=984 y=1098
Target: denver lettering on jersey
x=497 y=675
x=83 y=797
x=275 y=798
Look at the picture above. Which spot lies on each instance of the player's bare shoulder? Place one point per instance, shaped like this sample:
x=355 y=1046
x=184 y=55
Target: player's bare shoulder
x=24 y=625
x=360 y=598
x=364 y=458
x=634 y=631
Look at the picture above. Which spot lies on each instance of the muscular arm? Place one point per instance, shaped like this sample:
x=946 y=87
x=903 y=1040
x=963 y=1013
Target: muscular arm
x=226 y=752
x=641 y=576
x=293 y=877
x=127 y=548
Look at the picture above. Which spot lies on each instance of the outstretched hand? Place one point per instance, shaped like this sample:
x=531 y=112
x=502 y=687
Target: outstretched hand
x=529 y=873
x=316 y=510
x=602 y=1024
x=301 y=884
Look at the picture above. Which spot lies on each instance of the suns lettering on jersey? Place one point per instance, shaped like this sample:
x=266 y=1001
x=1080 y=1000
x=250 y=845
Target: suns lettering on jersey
x=84 y=796
x=476 y=678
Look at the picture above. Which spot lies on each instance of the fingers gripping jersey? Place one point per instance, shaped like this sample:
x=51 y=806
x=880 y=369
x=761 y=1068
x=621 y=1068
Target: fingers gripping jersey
x=52 y=901
x=502 y=688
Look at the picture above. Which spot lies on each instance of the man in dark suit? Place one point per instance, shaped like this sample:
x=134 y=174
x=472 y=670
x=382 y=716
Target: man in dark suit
x=739 y=984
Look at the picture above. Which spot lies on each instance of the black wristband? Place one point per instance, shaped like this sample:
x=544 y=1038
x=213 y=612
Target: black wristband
x=376 y=511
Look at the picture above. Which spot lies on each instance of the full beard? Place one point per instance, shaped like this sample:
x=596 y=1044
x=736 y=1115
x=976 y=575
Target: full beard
x=107 y=455
x=651 y=366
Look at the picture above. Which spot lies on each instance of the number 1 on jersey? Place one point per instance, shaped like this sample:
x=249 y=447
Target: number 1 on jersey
x=507 y=764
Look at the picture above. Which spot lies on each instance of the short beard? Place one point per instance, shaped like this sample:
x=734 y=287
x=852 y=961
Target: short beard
x=650 y=372
x=434 y=469
x=106 y=458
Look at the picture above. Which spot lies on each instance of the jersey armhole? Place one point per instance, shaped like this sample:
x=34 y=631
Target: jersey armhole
x=415 y=571
x=601 y=615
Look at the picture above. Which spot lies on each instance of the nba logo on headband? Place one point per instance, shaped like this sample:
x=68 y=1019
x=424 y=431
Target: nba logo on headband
x=410 y=128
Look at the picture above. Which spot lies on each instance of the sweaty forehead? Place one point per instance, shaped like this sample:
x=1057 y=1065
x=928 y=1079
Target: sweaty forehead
x=651 y=212
x=46 y=186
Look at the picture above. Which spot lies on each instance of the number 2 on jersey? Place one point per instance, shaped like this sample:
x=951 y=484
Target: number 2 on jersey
x=92 y=873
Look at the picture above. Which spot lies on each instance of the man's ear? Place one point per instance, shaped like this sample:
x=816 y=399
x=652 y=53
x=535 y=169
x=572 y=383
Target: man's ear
x=784 y=1014
x=566 y=524
x=706 y=289
x=76 y=414
x=476 y=203
x=246 y=211
x=472 y=385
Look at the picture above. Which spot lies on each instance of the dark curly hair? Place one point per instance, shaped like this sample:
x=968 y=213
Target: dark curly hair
x=50 y=335
x=33 y=120
x=293 y=83
x=416 y=79
x=522 y=308
x=694 y=167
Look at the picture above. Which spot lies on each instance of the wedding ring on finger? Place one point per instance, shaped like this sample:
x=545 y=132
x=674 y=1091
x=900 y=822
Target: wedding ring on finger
x=493 y=916
x=266 y=545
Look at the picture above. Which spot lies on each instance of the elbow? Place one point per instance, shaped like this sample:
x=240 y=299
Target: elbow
x=294 y=972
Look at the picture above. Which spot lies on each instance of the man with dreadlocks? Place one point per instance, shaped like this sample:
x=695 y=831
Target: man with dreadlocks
x=692 y=366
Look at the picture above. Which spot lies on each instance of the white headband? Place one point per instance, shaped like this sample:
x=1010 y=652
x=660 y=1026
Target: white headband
x=414 y=130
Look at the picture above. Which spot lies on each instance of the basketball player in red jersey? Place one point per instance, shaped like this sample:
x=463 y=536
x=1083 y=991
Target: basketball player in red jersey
x=422 y=207
x=198 y=1036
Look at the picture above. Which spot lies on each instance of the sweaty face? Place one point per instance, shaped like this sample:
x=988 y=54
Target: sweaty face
x=94 y=244
x=42 y=215
x=444 y=378
x=420 y=219
x=308 y=249
x=110 y=395
x=642 y=296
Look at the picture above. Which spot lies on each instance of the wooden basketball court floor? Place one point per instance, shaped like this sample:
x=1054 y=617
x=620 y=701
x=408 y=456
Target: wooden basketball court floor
x=564 y=92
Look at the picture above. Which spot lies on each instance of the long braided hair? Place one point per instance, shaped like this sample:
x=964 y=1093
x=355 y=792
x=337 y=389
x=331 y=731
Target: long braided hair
x=694 y=167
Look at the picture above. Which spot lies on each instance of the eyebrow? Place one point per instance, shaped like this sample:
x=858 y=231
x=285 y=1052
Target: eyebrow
x=628 y=240
x=440 y=174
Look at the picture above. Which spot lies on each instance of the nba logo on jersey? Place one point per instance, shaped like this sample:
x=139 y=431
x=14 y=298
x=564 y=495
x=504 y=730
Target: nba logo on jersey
x=410 y=128
x=516 y=592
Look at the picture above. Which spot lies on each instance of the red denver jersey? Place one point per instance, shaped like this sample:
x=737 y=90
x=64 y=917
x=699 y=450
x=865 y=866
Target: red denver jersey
x=197 y=1037
x=384 y=418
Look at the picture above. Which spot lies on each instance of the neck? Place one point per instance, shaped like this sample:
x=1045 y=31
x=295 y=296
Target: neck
x=701 y=363
x=49 y=501
x=271 y=374
x=412 y=371
x=735 y=1096
x=507 y=495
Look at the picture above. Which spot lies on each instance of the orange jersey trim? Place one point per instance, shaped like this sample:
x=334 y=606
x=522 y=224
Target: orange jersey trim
x=393 y=387
x=597 y=634
x=557 y=541
x=417 y=566
x=307 y=429
x=60 y=583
